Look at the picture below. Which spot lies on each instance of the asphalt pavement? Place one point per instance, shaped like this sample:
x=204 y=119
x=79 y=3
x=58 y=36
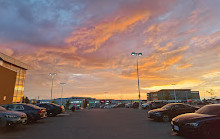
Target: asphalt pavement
x=121 y=123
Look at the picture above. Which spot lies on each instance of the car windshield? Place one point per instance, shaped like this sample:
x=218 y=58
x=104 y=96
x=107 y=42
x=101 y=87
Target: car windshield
x=210 y=110
x=2 y=109
x=167 y=107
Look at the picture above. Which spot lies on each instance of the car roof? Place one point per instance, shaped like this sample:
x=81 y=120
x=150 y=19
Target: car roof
x=213 y=105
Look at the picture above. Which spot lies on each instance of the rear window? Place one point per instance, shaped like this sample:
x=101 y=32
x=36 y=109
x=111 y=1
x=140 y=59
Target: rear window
x=33 y=106
x=2 y=109
x=210 y=110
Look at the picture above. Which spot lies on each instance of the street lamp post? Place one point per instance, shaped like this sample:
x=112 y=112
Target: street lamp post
x=174 y=92
x=62 y=84
x=137 y=55
x=52 y=77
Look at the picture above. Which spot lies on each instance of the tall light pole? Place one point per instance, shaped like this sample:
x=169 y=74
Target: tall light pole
x=52 y=77
x=137 y=55
x=62 y=84
x=174 y=91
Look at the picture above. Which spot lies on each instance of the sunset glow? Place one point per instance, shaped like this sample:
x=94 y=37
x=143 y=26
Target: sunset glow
x=88 y=44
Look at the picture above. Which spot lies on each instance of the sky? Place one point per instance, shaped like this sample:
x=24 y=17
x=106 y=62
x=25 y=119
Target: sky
x=88 y=43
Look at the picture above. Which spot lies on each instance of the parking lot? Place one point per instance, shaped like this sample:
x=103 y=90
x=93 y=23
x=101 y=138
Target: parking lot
x=118 y=123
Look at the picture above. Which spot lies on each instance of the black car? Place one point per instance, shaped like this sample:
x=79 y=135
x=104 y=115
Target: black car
x=205 y=121
x=52 y=109
x=11 y=118
x=33 y=112
x=167 y=112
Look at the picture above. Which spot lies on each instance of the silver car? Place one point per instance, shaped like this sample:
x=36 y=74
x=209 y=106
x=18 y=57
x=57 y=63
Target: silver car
x=11 y=118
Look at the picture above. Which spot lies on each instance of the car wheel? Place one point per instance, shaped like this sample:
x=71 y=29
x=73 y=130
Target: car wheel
x=165 y=118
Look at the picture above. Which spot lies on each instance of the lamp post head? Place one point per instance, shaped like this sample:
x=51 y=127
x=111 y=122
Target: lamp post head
x=62 y=83
x=52 y=74
x=133 y=53
x=137 y=54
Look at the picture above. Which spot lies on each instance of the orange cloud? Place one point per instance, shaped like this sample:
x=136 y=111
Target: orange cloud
x=92 y=38
x=184 y=66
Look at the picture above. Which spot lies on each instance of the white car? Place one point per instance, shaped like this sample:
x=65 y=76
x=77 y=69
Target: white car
x=145 y=105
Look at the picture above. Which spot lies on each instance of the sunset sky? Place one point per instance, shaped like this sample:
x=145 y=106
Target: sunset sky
x=88 y=43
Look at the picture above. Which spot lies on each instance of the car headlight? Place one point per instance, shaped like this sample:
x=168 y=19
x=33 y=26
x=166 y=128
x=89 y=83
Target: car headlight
x=11 y=116
x=192 y=124
x=157 y=113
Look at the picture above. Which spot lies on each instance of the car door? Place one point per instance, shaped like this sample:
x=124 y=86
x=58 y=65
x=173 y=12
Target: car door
x=189 y=109
x=176 y=110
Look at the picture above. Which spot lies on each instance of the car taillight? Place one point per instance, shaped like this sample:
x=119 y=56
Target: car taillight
x=40 y=111
x=60 y=107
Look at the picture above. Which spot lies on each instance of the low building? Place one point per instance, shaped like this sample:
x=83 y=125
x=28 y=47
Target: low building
x=74 y=101
x=170 y=95
x=12 y=73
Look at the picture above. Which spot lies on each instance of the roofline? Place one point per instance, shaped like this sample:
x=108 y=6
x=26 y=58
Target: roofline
x=13 y=61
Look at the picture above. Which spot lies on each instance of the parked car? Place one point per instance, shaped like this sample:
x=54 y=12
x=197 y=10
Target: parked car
x=145 y=105
x=52 y=109
x=33 y=112
x=107 y=107
x=156 y=104
x=11 y=118
x=205 y=121
x=167 y=112
x=129 y=105
x=122 y=105
x=102 y=106
x=135 y=105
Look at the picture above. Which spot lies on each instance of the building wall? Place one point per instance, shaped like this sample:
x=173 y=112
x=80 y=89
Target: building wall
x=7 y=85
x=169 y=94
x=20 y=78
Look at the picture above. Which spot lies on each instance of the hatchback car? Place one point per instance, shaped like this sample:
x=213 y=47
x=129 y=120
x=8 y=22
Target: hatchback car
x=11 y=118
x=167 y=112
x=33 y=112
x=205 y=121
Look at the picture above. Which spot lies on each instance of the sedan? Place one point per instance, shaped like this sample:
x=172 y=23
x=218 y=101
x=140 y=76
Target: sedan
x=11 y=118
x=33 y=112
x=167 y=112
x=52 y=109
x=205 y=122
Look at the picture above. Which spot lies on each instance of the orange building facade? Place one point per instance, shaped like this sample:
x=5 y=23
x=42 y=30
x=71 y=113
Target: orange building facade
x=12 y=78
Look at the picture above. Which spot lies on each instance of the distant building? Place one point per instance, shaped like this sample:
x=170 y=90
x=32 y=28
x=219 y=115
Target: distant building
x=182 y=95
x=12 y=73
x=76 y=101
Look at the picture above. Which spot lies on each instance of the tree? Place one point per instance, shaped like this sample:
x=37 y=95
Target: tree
x=25 y=100
x=67 y=104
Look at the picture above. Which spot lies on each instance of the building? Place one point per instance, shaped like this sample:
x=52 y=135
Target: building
x=12 y=73
x=181 y=95
x=74 y=101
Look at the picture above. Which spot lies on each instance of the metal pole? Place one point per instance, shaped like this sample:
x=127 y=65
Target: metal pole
x=62 y=96
x=138 y=84
x=52 y=89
